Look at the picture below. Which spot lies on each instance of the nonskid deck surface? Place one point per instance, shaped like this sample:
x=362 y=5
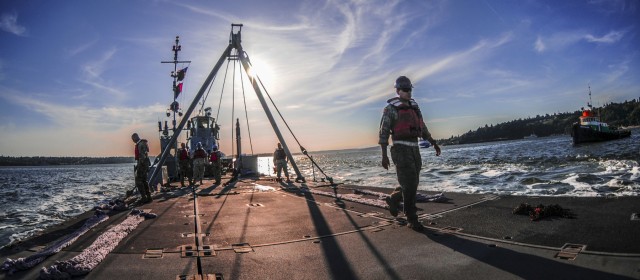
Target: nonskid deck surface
x=261 y=229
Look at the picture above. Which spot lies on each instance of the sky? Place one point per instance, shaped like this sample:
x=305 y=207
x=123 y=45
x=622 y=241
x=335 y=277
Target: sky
x=77 y=77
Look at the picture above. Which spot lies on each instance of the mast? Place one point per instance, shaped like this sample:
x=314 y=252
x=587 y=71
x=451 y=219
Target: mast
x=590 y=104
x=238 y=146
x=175 y=108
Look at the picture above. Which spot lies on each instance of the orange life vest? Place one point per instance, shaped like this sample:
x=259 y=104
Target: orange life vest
x=184 y=155
x=409 y=122
x=200 y=153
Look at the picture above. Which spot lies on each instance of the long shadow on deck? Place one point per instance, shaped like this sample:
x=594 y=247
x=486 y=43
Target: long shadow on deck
x=390 y=272
x=333 y=254
x=520 y=264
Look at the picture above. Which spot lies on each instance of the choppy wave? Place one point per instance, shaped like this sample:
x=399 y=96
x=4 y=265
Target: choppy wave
x=550 y=166
x=34 y=198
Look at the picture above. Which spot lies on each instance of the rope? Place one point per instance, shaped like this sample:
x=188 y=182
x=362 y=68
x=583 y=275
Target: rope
x=13 y=265
x=224 y=82
x=357 y=196
x=246 y=114
x=94 y=254
x=233 y=107
x=206 y=96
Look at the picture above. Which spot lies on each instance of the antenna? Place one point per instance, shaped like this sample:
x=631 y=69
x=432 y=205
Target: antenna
x=590 y=104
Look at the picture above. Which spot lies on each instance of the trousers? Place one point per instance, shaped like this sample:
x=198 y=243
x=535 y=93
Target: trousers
x=142 y=172
x=408 y=163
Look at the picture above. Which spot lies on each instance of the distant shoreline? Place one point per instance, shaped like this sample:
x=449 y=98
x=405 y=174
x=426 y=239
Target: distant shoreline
x=54 y=161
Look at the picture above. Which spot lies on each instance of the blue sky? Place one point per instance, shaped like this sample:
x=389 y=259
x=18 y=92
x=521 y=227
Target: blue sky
x=78 y=77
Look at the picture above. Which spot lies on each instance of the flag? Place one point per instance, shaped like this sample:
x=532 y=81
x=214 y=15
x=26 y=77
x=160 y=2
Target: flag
x=177 y=90
x=181 y=73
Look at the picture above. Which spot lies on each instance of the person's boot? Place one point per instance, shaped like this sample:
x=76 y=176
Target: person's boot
x=414 y=224
x=393 y=206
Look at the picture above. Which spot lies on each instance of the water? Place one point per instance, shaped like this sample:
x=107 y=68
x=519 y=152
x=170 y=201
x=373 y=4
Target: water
x=33 y=198
x=549 y=166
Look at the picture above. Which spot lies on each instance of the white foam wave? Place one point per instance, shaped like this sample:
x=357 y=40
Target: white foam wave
x=263 y=188
x=580 y=188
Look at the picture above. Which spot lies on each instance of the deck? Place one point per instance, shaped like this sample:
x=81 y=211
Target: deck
x=261 y=229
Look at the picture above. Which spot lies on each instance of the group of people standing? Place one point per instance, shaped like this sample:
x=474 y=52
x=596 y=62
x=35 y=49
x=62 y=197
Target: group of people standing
x=190 y=166
x=198 y=162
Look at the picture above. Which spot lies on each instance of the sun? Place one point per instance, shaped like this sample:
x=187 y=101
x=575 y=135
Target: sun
x=261 y=68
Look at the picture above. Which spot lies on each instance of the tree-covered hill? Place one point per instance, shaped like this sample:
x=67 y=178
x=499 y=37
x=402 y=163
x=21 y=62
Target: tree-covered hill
x=615 y=114
x=40 y=161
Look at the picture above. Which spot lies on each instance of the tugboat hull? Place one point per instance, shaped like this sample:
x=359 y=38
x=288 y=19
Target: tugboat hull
x=583 y=134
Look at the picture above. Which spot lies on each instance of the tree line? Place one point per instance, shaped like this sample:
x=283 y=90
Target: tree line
x=41 y=161
x=615 y=114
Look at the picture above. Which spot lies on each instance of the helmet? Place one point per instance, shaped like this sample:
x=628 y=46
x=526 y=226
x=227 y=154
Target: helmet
x=214 y=147
x=403 y=82
x=199 y=145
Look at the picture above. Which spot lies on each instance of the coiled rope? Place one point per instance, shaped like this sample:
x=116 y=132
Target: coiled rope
x=13 y=265
x=356 y=196
x=94 y=254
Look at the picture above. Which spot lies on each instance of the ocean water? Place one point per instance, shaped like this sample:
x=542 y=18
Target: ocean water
x=33 y=198
x=546 y=166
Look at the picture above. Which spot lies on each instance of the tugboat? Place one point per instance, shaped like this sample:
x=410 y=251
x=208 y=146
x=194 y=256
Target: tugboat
x=591 y=129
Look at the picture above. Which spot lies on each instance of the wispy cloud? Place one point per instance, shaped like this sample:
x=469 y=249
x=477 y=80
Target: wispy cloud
x=81 y=48
x=94 y=69
x=560 y=40
x=9 y=23
x=66 y=116
x=609 y=7
x=93 y=75
x=539 y=45
x=103 y=130
x=209 y=12
x=494 y=11
x=2 y=75
x=618 y=70
x=459 y=60
x=611 y=37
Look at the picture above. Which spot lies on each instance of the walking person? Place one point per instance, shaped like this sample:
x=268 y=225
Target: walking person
x=402 y=120
x=280 y=161
x=216 y=164
x=199 y=162
x=141 y=152
x=184 y=162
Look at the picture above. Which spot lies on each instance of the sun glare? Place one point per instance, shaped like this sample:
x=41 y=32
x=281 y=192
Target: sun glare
x=264 y=72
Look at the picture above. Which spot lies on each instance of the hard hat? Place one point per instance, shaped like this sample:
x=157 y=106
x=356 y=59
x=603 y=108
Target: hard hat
x=199 y=145
x=215 y=147
x=403 y=82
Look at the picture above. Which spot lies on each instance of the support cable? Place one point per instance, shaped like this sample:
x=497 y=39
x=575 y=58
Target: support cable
x=206 y=96
x=246 y=114
x=224 y=82
x=233 y=107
